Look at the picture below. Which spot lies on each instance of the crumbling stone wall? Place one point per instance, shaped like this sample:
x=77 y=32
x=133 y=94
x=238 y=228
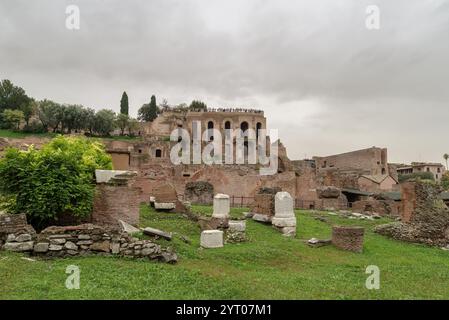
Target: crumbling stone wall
x=330 y=197
x=14 y=224
x=85 y=239
x=382 y=207
x=200 y=192
x=264 y=201
x=424 y=216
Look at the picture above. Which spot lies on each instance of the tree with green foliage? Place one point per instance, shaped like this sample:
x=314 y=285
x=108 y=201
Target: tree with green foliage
x=445 y=180
x=124 y=105
x=122 y=122
x=104 y=122
x=50 y=114
x=89 y=120
x=149 y=112
x=29 y=109
x=54 y=181
x=133 y=126
x=197 y=105
x=73 y=118
x=11 y=96
x=13 y=118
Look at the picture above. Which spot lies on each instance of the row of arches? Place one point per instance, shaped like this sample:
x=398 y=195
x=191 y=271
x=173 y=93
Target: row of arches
x=227 y=125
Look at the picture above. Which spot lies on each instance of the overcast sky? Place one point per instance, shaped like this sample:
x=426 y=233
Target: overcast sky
x=326 y=82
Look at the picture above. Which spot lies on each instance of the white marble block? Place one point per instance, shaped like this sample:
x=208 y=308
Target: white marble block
x=164 y=205
x=237 y=225
x=221 y=206
x=284 y=215
x=212 y=239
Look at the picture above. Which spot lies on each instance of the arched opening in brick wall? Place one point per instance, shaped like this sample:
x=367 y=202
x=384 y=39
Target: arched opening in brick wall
x=244 y=126
x=158 y=153
x=210 y=127
x=258 y=127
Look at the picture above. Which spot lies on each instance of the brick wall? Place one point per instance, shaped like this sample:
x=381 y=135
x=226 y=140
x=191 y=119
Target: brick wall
x=114 y=202
x=408 y=203
x=263 y=204
x=13 y=223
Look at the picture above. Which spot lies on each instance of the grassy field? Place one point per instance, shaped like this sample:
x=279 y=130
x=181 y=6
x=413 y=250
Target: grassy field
x=20 y=135
x=268 y=266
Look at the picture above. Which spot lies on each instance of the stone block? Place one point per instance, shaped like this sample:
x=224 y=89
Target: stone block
x=41 y=247
x=104 y=176
x=164 y=205
x=221 y=206
x=103 y=246
x=23 y=237
x=19 y=246
x=237 y=225
x=115 y=248
x=156 y=232
x=70 y=246
x=262 y=218
x=212 y=239
x=58 y=241
x=55 y=247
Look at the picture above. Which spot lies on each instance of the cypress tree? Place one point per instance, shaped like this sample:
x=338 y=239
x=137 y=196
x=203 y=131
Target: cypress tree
x=124 y=106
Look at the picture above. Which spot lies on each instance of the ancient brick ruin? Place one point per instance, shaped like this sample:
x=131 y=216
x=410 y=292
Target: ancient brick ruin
x=424 y=216
x=348 y=238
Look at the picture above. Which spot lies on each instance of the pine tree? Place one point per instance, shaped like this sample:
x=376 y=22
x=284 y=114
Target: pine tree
x=149 y=111
x=124 y=106
x=153 y=109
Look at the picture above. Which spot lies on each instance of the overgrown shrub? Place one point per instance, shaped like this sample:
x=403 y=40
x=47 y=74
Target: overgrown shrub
x=54 y=181
x=415 y=176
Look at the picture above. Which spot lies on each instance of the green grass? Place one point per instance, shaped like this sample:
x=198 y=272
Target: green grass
x=268 y=266
x=20 y=135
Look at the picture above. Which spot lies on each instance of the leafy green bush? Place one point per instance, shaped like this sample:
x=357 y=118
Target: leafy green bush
x=54 y=181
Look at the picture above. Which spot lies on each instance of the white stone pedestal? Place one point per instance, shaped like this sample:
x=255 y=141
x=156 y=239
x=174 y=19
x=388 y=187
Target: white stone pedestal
x=284 y=218
x=212 y=239
x=221 y=206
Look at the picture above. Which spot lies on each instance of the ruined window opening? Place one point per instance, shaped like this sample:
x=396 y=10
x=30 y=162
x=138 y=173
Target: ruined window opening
x=428 y=169
x=210 y=126
x=258 y=127
x=158 y=153
x=244 y=126
x=140 y=150
x=186 y=174
x=383 y=171
x=227 y=125
x=324 y=164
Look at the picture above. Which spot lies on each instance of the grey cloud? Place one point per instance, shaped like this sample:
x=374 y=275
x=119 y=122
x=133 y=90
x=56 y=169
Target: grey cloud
x=276 y=55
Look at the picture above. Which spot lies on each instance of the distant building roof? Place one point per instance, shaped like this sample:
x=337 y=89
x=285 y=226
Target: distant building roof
x=378 y=178
x=393 y=195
